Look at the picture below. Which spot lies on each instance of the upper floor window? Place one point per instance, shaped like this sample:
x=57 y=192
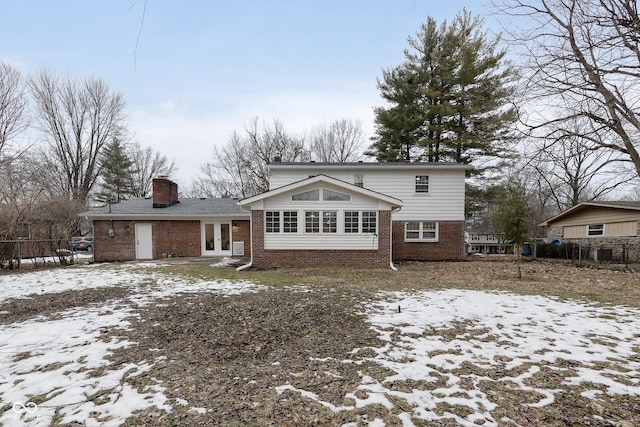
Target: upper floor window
x=333 y=196
x=358 y=180
x=307 y=195
x=422 y=183
x=595 y=230
x=421 y=231
x=475 y=237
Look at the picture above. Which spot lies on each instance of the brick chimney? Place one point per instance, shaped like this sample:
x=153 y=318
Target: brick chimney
x=165 y=192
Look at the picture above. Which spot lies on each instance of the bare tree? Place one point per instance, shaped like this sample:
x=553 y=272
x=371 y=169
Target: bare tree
x=13 y=103
x=573 y=169
x=77 y=117
x=240 y=168
x=148 y=164
x=584 y=62
x=340 y=141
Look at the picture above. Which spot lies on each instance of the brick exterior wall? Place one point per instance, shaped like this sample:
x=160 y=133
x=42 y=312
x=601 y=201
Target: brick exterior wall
x=449 y=247
x=321 y=257
x=175 y=238
x=241 y=232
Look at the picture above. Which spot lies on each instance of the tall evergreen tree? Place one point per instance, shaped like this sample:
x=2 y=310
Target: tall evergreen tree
x=116 y=174
x=449 y=100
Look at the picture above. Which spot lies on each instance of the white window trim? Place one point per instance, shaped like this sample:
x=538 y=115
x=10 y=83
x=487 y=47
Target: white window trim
x=596 y=235
x=428 y=184
x=420 y=232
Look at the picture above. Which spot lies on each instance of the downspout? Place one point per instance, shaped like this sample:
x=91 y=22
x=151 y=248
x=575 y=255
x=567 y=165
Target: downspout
x=391 y=266
x=248 y=265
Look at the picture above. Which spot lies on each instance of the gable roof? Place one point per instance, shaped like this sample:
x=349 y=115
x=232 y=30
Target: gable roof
x=189 y=208
x=368 y=165
x=395 y=203
x=625 y=205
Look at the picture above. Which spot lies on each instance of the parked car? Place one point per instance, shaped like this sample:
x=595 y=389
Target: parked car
x=82 y=243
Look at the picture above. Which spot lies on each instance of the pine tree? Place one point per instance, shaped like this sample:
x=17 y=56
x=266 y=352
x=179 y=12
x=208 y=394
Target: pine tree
x=116 y=174
x=449 y=100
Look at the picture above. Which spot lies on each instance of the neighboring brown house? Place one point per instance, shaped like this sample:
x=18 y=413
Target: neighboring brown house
x=599 y=225
x=168 y=226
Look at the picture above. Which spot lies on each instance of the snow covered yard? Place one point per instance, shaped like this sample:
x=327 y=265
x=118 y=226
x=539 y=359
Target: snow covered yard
x=133 y=344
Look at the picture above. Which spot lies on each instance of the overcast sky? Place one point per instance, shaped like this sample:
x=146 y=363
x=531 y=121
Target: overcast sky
x=192 y=72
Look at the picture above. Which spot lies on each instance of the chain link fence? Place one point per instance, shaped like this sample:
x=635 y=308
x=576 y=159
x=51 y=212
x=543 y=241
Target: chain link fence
x=16 y=254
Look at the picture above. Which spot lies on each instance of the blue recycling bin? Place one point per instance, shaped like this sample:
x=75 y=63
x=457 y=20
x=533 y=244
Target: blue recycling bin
x=526 y=250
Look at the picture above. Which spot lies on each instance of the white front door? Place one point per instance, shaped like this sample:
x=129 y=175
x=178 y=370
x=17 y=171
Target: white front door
x=216 y=238
x=144 y=244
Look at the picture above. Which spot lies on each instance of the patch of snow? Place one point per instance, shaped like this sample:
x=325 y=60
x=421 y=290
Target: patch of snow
x=435 y=332
x=64 y=362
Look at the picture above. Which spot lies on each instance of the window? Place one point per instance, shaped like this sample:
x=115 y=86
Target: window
x=475 y=237
x=23 y=230
x=290 y=222
x=422 y=183
x=351 y=221
x=358 y=180
x=369 y=222
x=307 y=195
x=332 y=196
x=312 y=222
x=330 y=222
x=595 y=230
x=421 y=231
x=272 y=222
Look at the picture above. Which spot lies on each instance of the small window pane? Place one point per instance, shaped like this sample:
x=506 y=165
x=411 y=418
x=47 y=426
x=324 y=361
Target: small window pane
x=369 y=223
x=307 y=195
x=428 y=230
x=595 y=230
x=332 y=196
x=358 y=180
x=312 y=222
x=422 y=183
x=412 y=231
x=272 y=224
x=290 y=222
x=351 y=222
x=330 y=222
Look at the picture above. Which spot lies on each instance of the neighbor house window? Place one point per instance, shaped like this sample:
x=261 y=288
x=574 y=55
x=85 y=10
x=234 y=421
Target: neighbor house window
x=272 y=222
x=421 y=231
x=422 y=183
x=595 y=230
x=475 y=237
x=369 y=222
x=307 y=195
x=312 y=222
x=351 y=222
x=290 y=222
x=334 y=196
x=330 y=222
x=358 y=180
x=23 y=231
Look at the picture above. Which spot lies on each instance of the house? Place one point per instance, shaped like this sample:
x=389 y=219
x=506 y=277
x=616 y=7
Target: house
x=604 y=227
x=364 y=214
x=166 y=226
x=485 y=242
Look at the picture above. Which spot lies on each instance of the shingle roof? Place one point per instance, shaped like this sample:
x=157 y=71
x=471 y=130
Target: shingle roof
x=621 y=204
x=190 y=207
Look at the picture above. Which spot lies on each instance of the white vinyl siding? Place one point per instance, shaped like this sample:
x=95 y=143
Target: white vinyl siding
x=445 y=200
